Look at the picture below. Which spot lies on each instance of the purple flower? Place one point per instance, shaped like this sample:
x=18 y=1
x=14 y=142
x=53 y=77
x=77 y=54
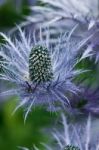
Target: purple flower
x=54 y=11
x=42 y=75
x=63 y=15
x=83 y=135
x=77 y=134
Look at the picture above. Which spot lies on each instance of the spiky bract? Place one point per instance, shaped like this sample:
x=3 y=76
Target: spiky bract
x=78 y=134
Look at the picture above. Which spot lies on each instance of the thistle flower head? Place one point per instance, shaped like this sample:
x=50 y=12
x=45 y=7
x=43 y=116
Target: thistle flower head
x=69 y=147
x=61 y=16
x=78 y=135
x=59 y=12
x=42 y=74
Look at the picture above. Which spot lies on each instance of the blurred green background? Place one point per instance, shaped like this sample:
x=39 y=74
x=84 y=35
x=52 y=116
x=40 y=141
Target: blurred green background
x=13 y=131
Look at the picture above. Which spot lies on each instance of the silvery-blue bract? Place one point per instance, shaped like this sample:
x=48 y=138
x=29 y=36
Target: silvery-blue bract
x=42 y=74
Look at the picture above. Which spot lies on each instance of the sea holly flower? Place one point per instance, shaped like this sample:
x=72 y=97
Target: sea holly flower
x=42 y=75
x=80 y=135
x=77 y=135
x=53 y=11
x=61 y=16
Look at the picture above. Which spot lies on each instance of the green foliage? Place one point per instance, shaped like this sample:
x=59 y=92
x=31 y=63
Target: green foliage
x=10 y=15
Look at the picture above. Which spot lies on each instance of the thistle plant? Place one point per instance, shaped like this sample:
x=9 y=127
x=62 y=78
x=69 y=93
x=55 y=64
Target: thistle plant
x=77 y=135
x=53 y=11
x=44 y=64
x=63 y=15
x=74 y=136
x=42 y=75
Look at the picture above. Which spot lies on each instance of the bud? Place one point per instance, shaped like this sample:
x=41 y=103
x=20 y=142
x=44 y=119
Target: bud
x=70 y=147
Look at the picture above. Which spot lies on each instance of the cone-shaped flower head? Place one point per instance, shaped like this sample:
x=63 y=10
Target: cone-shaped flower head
x=69 y=147
x=40 y=68
x=42 y=74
